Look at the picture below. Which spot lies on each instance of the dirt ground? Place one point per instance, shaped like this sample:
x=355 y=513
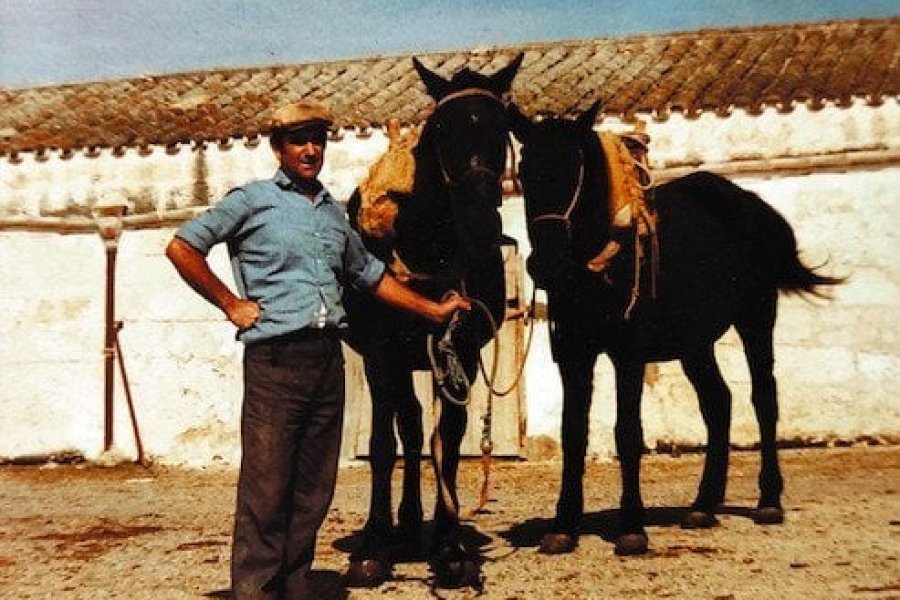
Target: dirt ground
x=84 y=531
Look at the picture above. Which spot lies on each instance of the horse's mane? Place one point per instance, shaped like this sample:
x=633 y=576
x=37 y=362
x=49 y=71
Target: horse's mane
x=595 y=162
x=596 y=186
x=466 y=78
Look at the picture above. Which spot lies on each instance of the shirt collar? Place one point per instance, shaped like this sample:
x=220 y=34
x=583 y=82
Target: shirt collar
x=284 y=182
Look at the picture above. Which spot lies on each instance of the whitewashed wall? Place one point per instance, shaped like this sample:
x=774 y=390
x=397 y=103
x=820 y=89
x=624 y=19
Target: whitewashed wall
x=837 y=363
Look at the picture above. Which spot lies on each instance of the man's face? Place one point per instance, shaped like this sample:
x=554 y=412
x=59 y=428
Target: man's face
x=302 y=152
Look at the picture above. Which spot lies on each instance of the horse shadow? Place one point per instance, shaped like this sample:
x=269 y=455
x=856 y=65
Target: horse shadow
x=418 y=550
x=605 y=523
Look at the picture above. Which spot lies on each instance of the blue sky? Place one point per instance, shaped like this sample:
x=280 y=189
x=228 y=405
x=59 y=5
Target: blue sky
x=61 y=41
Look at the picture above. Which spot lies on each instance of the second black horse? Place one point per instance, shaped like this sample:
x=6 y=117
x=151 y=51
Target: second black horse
x=724 y=255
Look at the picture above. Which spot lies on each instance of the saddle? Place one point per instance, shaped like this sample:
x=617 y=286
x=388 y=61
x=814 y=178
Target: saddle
x=631 y=206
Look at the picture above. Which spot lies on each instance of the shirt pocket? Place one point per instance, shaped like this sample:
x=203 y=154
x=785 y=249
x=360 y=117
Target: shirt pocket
x=332 y=239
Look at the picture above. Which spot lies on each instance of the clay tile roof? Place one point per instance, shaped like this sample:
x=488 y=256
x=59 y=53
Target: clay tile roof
x=692 y=72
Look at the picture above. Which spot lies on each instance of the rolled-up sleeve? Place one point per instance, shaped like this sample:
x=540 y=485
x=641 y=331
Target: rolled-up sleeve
x=216 y=224
x=362 y=269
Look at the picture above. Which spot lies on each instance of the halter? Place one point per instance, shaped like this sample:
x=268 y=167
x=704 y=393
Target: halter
x=464 y=93
x=565 y=217
x=470 y=92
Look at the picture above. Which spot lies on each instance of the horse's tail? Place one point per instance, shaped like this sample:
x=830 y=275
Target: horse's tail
x=794 y=277
x=767 y=237
x=772 y=239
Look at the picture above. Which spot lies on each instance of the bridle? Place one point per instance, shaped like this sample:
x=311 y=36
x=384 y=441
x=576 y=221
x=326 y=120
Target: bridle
x=465 y=93
x=566 y=216
x=398 y=265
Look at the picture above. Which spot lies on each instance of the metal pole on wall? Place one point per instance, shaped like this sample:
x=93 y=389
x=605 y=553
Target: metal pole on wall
x=109 y=214
x=109 y=345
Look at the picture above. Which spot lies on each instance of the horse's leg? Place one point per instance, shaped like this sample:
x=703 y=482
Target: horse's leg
x=382 y=447
x=629 y=432
x=452 y=565
x=576 y=376
x=370 y=564
x=756 y=333
x=450 y=430
x=409 y=426
x=715 y=406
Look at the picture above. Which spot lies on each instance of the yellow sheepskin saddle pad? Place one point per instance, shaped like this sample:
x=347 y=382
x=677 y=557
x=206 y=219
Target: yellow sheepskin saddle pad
x=629 y=178
x=392 y=173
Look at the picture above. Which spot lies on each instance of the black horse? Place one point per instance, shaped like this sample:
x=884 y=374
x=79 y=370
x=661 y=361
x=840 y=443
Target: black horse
x=446 y=238
x=724 y=256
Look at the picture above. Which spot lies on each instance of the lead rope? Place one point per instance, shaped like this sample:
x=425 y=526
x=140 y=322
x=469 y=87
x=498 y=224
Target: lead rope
x=437 y=453
x=529 y=322
x=440 y=392
x=455 y=373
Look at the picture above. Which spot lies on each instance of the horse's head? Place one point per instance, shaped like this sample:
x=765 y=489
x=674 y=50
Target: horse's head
x=462 y=149
x=561 y=163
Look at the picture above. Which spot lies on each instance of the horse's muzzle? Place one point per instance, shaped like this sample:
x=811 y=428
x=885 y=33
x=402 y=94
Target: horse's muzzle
x=481 y=182
x=546 y=274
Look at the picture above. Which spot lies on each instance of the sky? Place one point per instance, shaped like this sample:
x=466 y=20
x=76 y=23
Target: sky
x=45 y=42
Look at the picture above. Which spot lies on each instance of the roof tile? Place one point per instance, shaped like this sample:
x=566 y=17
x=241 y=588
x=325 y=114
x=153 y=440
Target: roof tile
x=712 y=70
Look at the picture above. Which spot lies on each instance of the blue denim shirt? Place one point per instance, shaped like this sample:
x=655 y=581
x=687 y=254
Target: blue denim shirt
x=288 y=254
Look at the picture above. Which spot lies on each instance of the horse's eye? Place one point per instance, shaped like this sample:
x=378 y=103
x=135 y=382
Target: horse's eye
x=475 y=119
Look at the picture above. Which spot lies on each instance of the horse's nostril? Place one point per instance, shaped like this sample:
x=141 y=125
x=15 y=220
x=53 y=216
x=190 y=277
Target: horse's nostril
x=479 y=175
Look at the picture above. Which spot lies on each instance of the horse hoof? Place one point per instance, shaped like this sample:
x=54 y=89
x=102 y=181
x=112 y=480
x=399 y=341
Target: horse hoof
x=367 y=573
x=453 y=568
x=456 y=574
x=768 y=515
x=558 y=543
x=631 y=544
x=699 y=519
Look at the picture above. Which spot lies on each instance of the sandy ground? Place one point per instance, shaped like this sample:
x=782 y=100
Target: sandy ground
x=83 y=531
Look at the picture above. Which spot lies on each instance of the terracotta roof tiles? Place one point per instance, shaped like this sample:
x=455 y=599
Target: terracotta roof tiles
x=692 y=72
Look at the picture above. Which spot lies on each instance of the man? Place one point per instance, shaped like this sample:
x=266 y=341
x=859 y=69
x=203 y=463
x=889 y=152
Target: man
x=292 y=251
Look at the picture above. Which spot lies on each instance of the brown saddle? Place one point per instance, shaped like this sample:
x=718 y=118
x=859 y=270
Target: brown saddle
x=631 y=206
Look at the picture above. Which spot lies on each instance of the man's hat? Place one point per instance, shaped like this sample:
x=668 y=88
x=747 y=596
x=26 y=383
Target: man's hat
x=298 y=115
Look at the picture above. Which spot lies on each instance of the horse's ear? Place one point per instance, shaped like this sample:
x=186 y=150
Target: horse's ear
x=588 y=117
x=501 y=81
x=519 y=124
x=436 y=85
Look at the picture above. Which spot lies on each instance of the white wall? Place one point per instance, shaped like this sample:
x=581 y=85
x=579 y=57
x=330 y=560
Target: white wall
x=837 y=364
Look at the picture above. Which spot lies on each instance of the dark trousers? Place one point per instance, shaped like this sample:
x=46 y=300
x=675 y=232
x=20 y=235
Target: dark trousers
x=290 y=441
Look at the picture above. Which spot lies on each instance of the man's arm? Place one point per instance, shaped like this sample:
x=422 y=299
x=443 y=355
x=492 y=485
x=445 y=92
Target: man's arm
x=194 y=269
x=390 y=291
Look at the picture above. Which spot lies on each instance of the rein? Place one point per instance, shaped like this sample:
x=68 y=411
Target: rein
x=459 y=377
x=566 y=217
